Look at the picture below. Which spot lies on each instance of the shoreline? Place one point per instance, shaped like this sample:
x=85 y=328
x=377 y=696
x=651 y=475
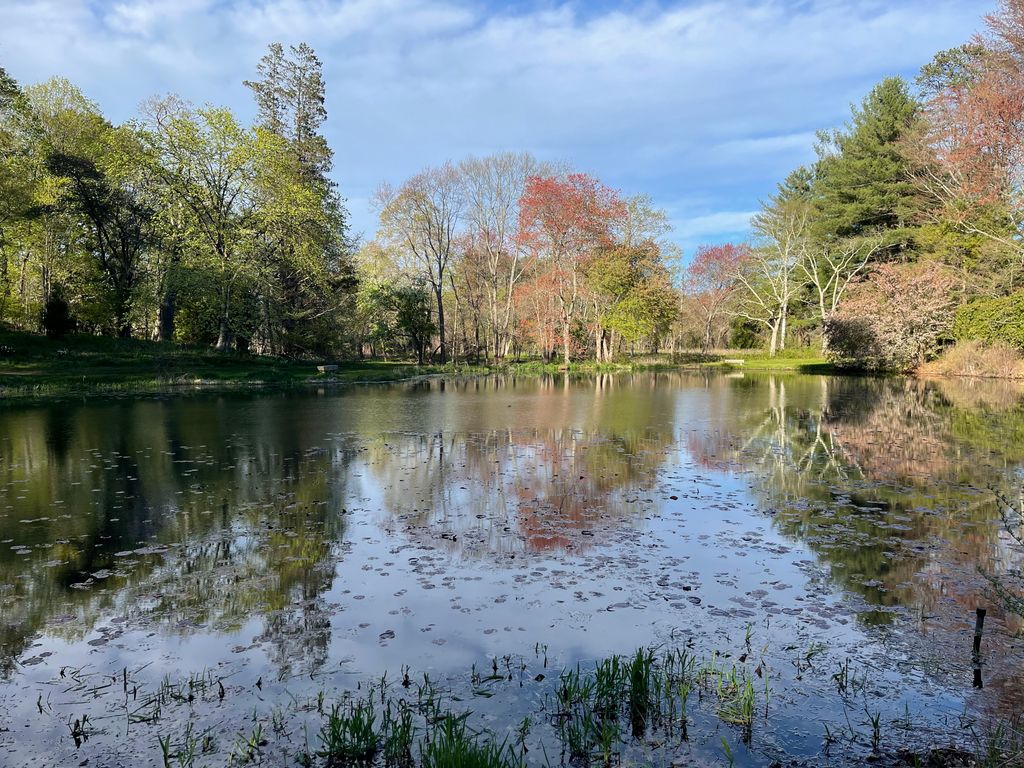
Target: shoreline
x=21 y=387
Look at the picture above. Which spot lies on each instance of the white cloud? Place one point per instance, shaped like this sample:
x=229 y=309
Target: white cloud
x=711 y=224
x=707 y=99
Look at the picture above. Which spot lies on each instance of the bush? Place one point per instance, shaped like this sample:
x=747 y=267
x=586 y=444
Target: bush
x=1000 y=319
x=896 y=319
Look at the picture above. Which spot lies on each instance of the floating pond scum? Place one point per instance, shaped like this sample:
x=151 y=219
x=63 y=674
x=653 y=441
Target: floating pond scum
x=640 y=569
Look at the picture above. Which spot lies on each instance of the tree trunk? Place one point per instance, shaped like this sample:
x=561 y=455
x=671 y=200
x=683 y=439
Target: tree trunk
x=442 y=349
x=166 y=315
x=122 y=324
x=224 y=336
x=775 y=337
x=565 y=342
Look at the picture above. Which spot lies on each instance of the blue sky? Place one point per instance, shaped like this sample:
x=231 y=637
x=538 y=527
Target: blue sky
x=703 y=104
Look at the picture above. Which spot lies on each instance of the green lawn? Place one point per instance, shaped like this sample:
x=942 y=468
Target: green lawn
x=33 y=365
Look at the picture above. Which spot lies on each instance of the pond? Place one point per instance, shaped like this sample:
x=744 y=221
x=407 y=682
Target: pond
x=198 y=579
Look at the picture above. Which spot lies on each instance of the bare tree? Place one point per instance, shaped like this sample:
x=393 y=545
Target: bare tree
x=493 y=186
x=831 y=268
x=421 y=218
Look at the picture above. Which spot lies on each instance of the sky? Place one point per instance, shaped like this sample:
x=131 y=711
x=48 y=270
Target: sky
x=702 y=104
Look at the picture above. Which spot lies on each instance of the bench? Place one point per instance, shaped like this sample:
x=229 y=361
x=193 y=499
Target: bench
x=326 y=368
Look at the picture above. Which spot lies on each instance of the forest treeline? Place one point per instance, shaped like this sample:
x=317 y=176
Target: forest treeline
x=901 y=239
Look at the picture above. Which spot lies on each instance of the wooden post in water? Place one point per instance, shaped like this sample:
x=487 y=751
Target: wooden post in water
x=979 y=626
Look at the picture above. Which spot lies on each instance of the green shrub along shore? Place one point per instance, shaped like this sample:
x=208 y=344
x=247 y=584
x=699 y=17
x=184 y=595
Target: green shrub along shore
x=32 y=365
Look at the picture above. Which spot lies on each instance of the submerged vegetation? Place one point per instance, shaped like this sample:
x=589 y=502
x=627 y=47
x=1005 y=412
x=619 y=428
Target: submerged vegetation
x=654 y=707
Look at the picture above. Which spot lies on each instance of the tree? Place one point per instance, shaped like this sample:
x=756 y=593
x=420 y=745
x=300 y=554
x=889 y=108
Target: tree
x=770 y=282
x=632 y=295
x=493 y=188
x=710 y=283
x=291 y=98
x=421 y=218
x=643 y=223
x=56 y=248
x=783 y=227
x=410 y=302
x=562 y=222
x=208 y=162
x=829 y=265
x=16 y=180
x=831 y=268
x=306 y=241
x=896 y=320
x=971 y=152
x=862 y=183
x=105 y=190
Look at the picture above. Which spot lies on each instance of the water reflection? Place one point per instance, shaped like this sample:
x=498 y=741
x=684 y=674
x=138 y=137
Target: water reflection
x=889 y=483
x=202 y=514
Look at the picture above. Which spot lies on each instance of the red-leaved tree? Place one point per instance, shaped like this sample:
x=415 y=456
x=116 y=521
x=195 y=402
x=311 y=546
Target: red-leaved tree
x=971 y=157
x=562 y=223
x=710 y=283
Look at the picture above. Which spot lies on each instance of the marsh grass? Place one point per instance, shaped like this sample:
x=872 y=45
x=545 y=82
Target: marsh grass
x=640 y=708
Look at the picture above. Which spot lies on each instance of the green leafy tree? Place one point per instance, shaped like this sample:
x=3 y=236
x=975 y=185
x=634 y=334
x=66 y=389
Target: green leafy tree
x=304 y=234
x=104 y=189
x=632 y=295
x=207 y=161
x=16 y=184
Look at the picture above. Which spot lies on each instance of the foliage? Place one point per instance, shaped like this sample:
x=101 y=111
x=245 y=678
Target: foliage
x=896 y=320
x=148 y=226
x=862 y=178
x=710 y=282
x=562 y=223
x=998 y=319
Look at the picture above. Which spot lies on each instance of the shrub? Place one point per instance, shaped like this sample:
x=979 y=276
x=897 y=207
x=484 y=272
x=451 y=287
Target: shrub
x=999 y=319
x=57 y=320
x=896 y=319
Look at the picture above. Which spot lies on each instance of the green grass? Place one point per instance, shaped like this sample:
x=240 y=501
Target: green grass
x=35 y=366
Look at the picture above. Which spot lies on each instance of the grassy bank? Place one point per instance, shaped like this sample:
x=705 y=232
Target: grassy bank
x=32 y=365
x=35 y=366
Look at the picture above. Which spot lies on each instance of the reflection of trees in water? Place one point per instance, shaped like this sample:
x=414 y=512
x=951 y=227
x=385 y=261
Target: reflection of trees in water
x=173 y=512
x=886 y=481
x=505 y=490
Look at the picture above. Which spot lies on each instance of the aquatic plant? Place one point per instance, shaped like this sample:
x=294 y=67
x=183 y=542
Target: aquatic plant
x=350 y=735
x=452 y=745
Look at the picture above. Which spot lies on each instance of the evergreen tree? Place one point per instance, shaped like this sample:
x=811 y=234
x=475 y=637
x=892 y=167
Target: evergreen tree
x=313 y=270
x=862 y=180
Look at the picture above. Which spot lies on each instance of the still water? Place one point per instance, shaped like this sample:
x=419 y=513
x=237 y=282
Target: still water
x=287 y=546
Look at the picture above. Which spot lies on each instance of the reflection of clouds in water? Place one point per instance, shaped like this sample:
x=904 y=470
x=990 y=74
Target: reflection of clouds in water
x=887 y=482
x=307 y=527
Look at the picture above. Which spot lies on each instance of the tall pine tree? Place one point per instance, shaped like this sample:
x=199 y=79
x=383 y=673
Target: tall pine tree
x=312 y=256
x=862 y=182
